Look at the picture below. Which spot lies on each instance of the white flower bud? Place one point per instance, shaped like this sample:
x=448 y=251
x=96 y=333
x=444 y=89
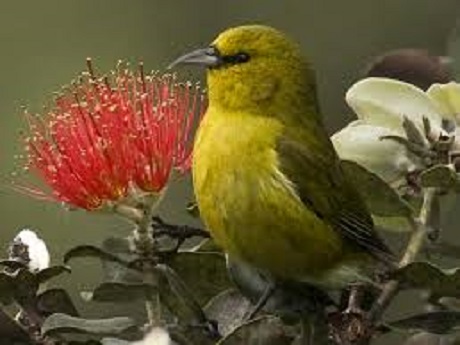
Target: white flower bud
x=157 y=336
x=30 y=249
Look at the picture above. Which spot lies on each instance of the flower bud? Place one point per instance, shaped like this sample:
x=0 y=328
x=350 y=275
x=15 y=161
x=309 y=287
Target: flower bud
x=157 y=336
x=28 y=248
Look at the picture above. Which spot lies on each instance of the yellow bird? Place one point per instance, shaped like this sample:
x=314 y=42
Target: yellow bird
x=267 y=180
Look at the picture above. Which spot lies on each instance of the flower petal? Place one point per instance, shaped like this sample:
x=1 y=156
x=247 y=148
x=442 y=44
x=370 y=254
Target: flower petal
x=362 y=143
x=456 y=144
x=447 y=97
x=385 y=102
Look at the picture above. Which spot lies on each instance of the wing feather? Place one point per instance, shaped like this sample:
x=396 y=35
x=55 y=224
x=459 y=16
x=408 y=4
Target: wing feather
x=312 y=165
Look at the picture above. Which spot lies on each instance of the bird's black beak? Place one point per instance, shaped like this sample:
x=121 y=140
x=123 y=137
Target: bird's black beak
x=207 y=57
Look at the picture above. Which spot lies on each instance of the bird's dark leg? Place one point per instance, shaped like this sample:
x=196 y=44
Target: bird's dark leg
x=268 y=292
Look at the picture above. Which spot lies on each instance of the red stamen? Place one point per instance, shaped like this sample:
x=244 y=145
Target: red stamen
x=103 y=137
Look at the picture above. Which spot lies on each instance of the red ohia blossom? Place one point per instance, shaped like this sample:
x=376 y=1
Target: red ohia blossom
x=111 y=138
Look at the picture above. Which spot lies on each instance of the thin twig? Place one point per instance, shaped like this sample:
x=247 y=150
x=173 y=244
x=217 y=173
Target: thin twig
x=129 y=212
x=146 y=247
x=421 y=228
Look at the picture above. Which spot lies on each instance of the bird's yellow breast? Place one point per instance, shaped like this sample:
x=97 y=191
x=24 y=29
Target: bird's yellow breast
x=250 y=207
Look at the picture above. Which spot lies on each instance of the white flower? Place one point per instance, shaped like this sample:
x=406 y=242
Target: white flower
x=31 y=249
x=381 y=105
x=157 y=336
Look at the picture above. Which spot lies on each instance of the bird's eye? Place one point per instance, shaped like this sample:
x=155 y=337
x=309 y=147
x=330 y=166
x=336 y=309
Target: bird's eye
x=242 y=57
x=236 y=58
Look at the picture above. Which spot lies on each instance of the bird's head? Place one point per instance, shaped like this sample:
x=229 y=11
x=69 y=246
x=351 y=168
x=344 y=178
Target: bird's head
x=253 y=67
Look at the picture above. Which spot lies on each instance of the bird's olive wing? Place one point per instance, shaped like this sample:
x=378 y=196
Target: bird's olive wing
x=313 y=167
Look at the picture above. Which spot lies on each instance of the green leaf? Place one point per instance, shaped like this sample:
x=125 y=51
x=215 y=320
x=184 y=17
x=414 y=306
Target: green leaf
x=204 y=273
x=266 y=330
x=118 y=245
x=10 y=330
x=392 y=224
x=228 y=308
x=425 y=338
x=62 y=323
x=54 y=301
x=7 y=288
x=422 y=275
x=380 y=198
x=94 y=252
x=438 y=322
x=20 y=285
x=25 y=286
x=119 y=292
x=113 y=271
x=51 y=272
x=13 y=265
x=439 y=176
x=183 y=303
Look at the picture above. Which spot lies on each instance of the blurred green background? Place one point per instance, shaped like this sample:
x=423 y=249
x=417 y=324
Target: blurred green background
x=44 y=45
